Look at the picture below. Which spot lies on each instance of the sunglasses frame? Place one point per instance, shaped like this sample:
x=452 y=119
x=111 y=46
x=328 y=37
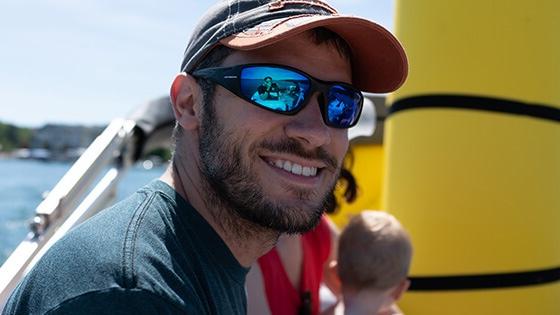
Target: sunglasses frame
x=230 y=79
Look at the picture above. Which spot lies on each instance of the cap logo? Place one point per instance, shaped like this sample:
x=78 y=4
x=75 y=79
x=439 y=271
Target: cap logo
x=279 y=4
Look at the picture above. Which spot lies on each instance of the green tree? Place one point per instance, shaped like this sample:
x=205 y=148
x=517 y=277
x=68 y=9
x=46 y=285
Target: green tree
x=13 y=137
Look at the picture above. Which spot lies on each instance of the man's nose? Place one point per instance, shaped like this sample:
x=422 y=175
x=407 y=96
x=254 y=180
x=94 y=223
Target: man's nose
x=308 y=125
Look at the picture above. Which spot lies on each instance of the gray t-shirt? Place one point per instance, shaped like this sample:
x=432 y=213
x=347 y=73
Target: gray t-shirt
x=149 y=254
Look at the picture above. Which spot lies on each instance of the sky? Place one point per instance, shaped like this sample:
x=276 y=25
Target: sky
x=90 y=61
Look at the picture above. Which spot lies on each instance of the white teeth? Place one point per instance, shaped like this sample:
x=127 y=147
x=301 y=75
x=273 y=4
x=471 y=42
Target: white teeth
x=294 y=168
x=288 y=166
x=313 y=171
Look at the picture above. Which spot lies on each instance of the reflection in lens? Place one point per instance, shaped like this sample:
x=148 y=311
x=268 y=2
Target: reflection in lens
x=343 y=106
x=277 y=89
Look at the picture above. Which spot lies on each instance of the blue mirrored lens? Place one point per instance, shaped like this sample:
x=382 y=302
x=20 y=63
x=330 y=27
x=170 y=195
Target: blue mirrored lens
x=277 y=89
x=343 y=107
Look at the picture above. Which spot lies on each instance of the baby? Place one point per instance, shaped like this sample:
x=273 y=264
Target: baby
x=374 y=254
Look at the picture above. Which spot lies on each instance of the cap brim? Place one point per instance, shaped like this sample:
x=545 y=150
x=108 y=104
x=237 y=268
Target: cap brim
x=379 y=63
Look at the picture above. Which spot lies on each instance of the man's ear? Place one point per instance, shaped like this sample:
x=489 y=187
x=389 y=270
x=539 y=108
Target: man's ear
x=185 y=98
x=400 y=289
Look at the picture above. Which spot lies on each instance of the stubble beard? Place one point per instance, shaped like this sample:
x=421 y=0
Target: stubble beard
x=233 y=188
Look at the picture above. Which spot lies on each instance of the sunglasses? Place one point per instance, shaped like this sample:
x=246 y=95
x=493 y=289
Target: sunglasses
x=286 y=90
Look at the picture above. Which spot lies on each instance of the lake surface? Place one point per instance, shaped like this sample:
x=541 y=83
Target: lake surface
x=23 y=183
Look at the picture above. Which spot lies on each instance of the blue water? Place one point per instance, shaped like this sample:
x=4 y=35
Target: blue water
x=22 y=184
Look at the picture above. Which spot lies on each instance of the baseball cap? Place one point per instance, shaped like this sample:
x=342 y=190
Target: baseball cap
x=379 y=63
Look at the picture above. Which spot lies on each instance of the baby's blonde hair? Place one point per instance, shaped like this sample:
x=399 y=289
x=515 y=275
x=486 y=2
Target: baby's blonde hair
x=374 y=251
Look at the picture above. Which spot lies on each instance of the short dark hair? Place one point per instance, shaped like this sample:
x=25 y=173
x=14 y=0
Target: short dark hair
x=323 y=35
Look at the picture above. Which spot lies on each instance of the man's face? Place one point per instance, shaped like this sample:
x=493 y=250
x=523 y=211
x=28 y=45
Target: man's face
x=275 y=170
x=268 y=82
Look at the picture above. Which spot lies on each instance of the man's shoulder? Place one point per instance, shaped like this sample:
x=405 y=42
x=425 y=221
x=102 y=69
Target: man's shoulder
x=98 y=255
x=153 y=243
x=110 y=240
x=104 y=237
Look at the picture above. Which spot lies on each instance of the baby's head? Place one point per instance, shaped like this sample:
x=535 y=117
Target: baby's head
x=374 y=254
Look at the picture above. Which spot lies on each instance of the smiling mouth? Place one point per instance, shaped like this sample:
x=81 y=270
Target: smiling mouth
x=294 y=168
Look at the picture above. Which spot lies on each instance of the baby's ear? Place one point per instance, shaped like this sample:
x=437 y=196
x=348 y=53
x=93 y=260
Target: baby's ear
x=331 y=278
x=400 y=289
x=333 y=266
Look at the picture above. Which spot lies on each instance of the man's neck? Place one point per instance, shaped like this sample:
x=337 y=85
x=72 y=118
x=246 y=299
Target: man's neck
x=246 y=240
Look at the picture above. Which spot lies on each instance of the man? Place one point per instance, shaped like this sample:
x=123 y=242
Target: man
x=241 y=174
x=268 y=90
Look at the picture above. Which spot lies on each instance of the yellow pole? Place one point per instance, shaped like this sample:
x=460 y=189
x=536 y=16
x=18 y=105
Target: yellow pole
x=473 y=155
